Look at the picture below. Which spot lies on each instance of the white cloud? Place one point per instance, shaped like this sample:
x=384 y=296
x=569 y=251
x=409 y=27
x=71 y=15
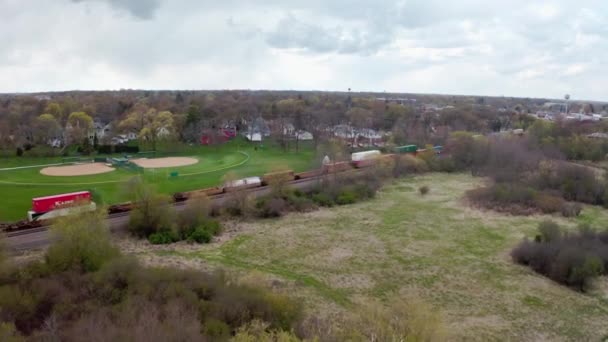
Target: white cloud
x=513 y=48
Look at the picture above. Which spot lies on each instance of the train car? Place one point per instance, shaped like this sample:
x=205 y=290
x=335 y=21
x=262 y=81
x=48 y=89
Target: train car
x=245 y=183
x=216 y=190
x=120 y=208
x=338 y=167
x=364 y=159
x=309 y=174
x=406 y=149
x=287 y=175
x=60 y=205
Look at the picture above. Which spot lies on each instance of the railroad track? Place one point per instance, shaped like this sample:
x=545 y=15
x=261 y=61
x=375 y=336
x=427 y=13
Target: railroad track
x=35 y=238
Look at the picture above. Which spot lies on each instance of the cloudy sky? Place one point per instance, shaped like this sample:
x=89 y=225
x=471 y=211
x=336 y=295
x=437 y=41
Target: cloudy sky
x=512 y=47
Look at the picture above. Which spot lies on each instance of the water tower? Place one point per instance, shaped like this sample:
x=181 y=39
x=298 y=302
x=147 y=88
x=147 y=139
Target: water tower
x=567 y=98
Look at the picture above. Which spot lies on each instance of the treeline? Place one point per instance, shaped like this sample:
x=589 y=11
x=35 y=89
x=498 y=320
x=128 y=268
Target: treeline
x=526 y=176
x=188 y=115
x=574 y=259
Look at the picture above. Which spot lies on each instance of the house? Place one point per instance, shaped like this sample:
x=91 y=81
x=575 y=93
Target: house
x=163 y=132
x=222 y=135
x=304 y=136
x=258 y=125
x=101 y=129
x=598 y=135
x=254 y=137
x=55 y=142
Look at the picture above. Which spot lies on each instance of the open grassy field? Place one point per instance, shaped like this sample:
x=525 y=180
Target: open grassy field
x=19 y=186
x=432 y=248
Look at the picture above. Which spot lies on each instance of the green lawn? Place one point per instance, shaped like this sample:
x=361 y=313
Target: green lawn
x=214 y=162
x=402 y=244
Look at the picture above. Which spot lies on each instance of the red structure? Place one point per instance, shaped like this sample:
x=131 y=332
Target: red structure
x=48 y=203
x=223 y=135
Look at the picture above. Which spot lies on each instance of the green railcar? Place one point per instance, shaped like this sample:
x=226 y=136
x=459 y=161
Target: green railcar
x=406 y=149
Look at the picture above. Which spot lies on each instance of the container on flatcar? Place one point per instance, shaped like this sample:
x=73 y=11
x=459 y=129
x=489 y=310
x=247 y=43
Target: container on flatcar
x=245 y=183
x=287 y=175
x=47 y=203
x=366 y=158
x=406 y=149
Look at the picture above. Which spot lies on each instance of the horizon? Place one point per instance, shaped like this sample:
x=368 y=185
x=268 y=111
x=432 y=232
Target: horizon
x=302 y=91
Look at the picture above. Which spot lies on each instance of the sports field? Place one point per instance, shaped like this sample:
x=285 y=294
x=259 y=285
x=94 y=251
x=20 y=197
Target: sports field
x=19 y=186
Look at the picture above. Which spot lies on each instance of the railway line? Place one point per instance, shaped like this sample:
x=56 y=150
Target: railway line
x=39 y=237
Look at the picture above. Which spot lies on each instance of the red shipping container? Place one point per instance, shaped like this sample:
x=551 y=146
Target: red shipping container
x=48 y=203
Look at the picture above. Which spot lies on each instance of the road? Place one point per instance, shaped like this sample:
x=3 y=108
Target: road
x=40 y=237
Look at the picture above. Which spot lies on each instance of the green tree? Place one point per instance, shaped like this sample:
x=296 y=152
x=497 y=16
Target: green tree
x=55 y=110
x=46 y=128
x=150 y=125
x=152 y=213
x=79 y=125
x=81 y=242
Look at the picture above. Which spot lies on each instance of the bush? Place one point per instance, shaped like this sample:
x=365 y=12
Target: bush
x=548 y=231
x=200 y=235
x=323 y=200
x=571 y=209
x=424 y=190
x=152 y=214
x=19 y=152
x=573 y=259
x=271 y=207
x=125 y=301
x=81 y=243
x=548 y=203
x=407 y=164
x=162 y=238
x=300 y=203
x=346 y=197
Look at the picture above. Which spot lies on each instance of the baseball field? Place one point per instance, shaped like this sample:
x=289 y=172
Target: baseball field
x=193 y=167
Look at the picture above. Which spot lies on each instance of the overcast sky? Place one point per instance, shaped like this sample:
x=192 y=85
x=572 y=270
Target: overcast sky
x=512 y=47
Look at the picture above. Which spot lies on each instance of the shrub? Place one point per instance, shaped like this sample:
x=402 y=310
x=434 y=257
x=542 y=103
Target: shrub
x=571 y=209
x=346 y=197
x=200 y=235
x=162 y=238
x=301 y=203
x=424 y=190
x=216 y=329
x=573 y=259
x=152 y=213
x=407 y=164
x=444 y=164
x=271 y=207
x=19 y=152
x=9 y=333
x=548 y=203
x=81 y=243
x=323 y=199
x=548 y=231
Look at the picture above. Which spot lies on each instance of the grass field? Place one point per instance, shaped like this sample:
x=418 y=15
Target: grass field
x=402 y=244
x=20 y=186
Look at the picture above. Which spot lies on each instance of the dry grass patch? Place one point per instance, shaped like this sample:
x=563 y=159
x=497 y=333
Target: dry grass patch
x=450 y=255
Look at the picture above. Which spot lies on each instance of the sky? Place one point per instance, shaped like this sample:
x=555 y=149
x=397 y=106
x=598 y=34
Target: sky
x=521 y=48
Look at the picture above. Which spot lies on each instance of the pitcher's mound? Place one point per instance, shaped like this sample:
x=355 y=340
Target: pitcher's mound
x=164 y=162
x=76 y=170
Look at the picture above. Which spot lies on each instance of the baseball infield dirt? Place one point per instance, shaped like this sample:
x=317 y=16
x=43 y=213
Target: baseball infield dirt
x=76 y=170
x=164 y=162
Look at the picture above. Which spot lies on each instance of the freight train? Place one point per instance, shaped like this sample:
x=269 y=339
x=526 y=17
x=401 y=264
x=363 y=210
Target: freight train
x=44 y=208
